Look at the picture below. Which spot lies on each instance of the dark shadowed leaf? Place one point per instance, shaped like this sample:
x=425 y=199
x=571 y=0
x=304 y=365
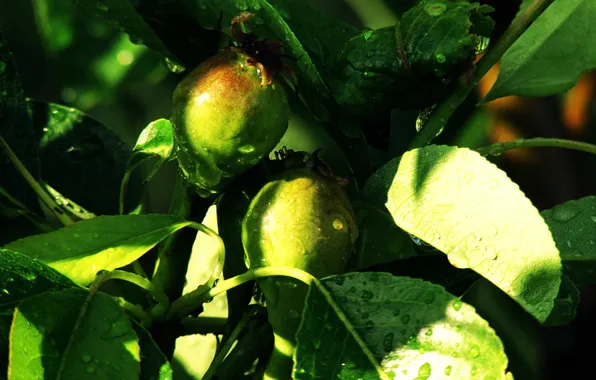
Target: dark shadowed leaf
x=573 y=225
x=463 y=205
x=154 y=364
x=103 y=243
x=407 y=326
x=22 y=277
x=65 y=335
x=82 y=159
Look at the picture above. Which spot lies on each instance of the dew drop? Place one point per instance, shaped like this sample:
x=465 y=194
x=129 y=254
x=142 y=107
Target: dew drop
x=396 y=312
x=367 y=295
x=424 y=371
x=86 y=358
x=95 y=235
x=245 y=149
x=294 y=314
x=475 y=351
x=496 y=150
x=457 y=305
x=469 y=177
x=102 y=7
x=90 y=369
x=340 y=280
x=491 y=253
x=429 y=332
x=405 y=319
x=448 y=370
x=429 y=297
x=440 y=57
x=388 y=342
x=369 y=325
x=46 y=244
x=338 y=225
x=565 y=212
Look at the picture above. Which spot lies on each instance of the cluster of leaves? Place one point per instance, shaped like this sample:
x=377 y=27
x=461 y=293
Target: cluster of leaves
x=421 y=319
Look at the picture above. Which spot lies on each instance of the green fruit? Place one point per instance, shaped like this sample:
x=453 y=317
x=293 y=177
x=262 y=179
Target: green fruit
x=301 y=220
x=225 y=120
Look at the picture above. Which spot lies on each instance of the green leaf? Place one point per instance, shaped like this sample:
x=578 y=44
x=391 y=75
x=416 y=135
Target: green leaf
x=552 y=53
x=573 y=226
x=22 y=277
x=463 y=205
x=103 y=243
x=154 y=364
x=156 y=140
x=81 y=158
x=379 y=239
x=65 y=335
x=409 y=326
x=122 y=14
x=566 y=304
x=410 y=65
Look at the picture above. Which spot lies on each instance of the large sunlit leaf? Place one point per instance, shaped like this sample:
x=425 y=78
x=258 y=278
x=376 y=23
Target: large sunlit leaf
x=65 y=335
x=412 y=329
x=22 y=277
x=463 y=205
x=106 y=242
x=573 y=225
x=552 y=53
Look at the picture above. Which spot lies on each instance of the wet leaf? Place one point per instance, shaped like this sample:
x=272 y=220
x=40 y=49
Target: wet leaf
x=103 y=243
x=406 y=326
x=573 y=225
x=47 y=342
x=22 y=277
x=463 y=205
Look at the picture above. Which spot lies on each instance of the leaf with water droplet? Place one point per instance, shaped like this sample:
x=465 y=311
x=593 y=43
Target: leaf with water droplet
x=542 y=62
x=428 y=196
x=105 y=242
x=75 y=146
x=573 y=227
x=59 y=316
x=22 y=276
x=383 y=339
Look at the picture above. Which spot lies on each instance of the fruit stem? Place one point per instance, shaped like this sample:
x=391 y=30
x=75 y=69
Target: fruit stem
x=279 y=366
x=498 y=148
x=445 y=110
x=193 y=300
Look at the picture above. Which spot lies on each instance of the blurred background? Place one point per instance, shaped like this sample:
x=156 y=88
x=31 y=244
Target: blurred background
x=71 y=57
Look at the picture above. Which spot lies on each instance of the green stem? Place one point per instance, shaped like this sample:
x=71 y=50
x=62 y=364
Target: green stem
x=223 y=352
x=193 y=300
x=135 y=310
x=41 y=193
x=162 y=301
x=498 y=148
x=445 y=110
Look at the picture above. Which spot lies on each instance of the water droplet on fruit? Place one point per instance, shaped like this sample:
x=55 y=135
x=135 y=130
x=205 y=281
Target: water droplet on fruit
x=245 y=149
x=338 y=225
